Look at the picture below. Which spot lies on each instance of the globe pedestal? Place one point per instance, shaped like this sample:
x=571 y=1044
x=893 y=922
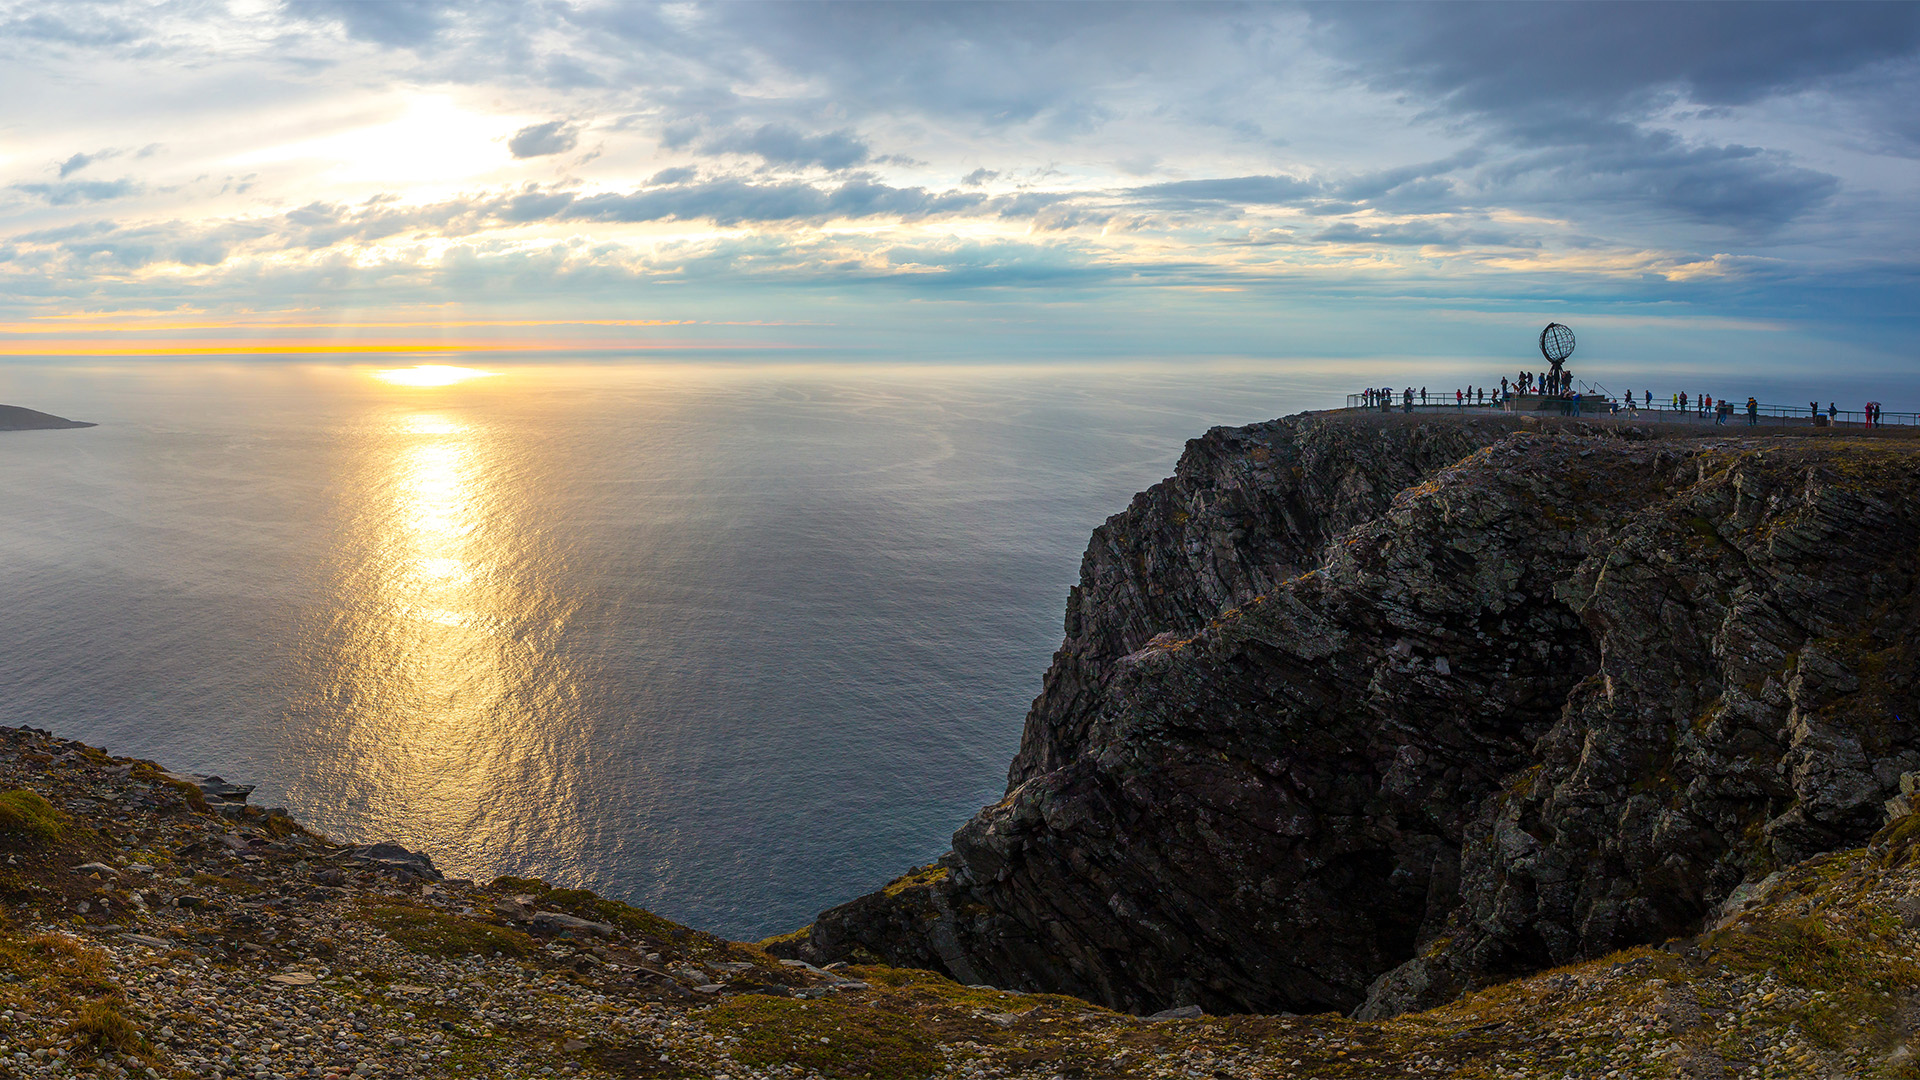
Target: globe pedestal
x=1590 y=404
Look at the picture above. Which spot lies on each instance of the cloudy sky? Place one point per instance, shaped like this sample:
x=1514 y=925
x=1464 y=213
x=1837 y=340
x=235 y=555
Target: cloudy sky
x=1693 y=184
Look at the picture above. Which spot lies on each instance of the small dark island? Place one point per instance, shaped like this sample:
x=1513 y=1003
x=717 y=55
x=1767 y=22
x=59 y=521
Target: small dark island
x=16 y=418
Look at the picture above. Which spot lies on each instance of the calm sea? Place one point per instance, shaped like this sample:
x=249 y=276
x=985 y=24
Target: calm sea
x=733 y=643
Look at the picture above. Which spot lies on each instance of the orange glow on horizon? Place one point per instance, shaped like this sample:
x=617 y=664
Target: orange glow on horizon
x=296 y=347
x=73 y=324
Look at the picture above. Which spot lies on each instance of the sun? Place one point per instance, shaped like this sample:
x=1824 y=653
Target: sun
x=431 y=375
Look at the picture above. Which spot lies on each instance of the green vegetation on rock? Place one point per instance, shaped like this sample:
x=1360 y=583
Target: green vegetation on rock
x=433 y=931
x=27 y=817
x=835 y=1040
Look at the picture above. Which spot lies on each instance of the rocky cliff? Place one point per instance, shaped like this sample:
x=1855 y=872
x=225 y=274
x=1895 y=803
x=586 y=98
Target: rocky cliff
x=1361 y=712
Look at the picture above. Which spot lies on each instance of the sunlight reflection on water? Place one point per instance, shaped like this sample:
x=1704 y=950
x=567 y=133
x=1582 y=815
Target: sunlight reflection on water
x=732 y=644
x=440 y=713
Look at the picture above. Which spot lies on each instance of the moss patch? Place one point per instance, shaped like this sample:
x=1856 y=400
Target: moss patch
x=148 y=774
x=789 y=937
x=27 y=818
x=430 y=930
x=834 y=1040
x=913 y=879
x=226 y=884
x=590 y=905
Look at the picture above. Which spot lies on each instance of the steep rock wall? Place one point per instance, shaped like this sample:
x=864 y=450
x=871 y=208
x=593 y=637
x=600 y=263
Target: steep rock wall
x=1557 y=697
x=1754 y=706
x=1246 y=509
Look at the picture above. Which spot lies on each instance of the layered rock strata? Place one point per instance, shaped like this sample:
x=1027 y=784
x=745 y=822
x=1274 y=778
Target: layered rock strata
x=1361 y=712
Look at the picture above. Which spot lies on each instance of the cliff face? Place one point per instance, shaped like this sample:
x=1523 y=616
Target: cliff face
x=1245 y=510
x=1364 y=711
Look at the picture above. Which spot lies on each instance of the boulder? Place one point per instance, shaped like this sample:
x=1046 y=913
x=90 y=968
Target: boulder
x=394 y=860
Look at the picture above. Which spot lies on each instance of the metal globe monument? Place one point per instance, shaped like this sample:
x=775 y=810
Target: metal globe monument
x=1556 y=344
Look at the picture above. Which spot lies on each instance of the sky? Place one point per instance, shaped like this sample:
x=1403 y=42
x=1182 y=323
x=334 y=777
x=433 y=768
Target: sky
x=1721 y=185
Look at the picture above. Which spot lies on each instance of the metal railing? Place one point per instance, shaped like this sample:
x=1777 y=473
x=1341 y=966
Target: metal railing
x=1432 y=401
x=1773 y=415
x=1597 y=402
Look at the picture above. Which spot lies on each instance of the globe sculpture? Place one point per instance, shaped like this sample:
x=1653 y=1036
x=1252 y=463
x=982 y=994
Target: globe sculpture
x=1556 y=344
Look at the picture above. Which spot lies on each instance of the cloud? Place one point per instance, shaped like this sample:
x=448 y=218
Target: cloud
x=540 y=140
x=1737 y=186
x=403 y=23
x=75 y=163
x=1586 y=95
x=1410 y=234
x=90 y=248
x=1530 y=63
x=1413 y=234
x=81 y=191
x=1584 y=143
x=1420 y=177
x=1236 y=190
x=779 y=144
x=75 y=25
x=731 y=201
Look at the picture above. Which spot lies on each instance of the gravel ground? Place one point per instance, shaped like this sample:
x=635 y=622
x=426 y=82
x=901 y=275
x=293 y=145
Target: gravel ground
x=145 y=935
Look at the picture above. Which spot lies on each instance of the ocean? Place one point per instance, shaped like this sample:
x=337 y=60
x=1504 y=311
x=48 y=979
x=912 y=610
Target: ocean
x=732 y=642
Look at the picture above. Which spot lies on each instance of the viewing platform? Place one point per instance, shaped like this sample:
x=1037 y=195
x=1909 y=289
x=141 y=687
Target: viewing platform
x=1599 y=405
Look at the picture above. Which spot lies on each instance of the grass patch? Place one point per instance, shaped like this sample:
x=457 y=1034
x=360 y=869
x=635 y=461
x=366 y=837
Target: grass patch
x=430 y=930
x=925 y=875
x=56 y=966
x=834 y=1040
x=1841 y=960
x=26 y=817
x=100 y=1026
x=228 y=884
x=147 y=774
x=13 y=886
x=1803 y=952
x=590 y=905
x=790 y=937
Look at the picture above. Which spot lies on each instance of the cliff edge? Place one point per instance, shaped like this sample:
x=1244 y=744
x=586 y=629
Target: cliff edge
x=1360 y=712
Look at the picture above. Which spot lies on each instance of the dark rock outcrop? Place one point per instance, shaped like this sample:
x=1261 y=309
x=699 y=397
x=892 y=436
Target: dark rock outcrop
x=1245 y=510
x=16 y=418
x=1454 y=703
x=396 y=861
x=1754 y=706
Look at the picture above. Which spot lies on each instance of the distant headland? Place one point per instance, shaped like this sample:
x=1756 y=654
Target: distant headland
x=16 y=418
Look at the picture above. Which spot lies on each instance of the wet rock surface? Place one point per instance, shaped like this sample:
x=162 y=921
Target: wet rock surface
x=1560 y=691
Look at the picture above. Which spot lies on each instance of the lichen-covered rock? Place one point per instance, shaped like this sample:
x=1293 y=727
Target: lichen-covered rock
x=1559 y=696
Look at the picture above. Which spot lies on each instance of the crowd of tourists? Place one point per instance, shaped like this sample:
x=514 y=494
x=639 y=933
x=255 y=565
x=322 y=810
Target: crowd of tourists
x=1559 y=385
